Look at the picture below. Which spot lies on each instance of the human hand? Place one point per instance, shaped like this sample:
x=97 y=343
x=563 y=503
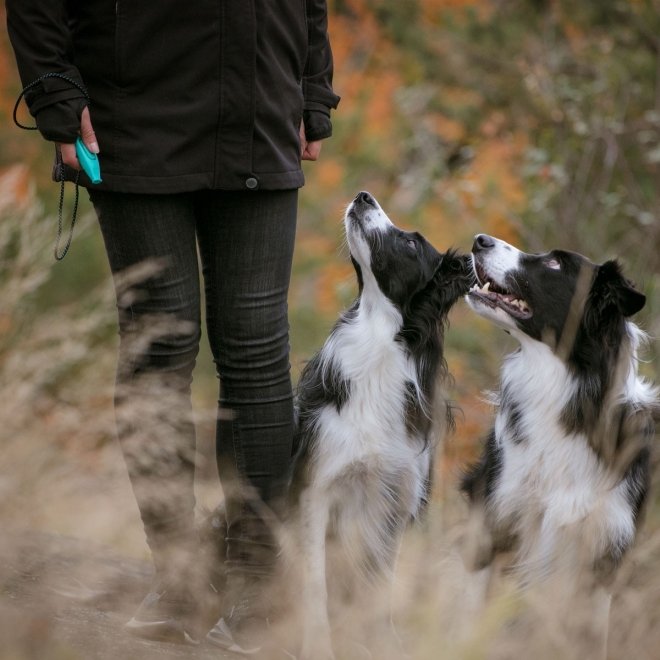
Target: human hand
x=308 y=150
x=68 y=150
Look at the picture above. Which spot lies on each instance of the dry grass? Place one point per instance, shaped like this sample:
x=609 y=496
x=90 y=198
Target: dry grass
x=62 y=473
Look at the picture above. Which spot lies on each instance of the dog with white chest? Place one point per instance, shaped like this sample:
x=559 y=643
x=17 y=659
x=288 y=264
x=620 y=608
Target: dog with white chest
x=565 y=470
x=372 y=410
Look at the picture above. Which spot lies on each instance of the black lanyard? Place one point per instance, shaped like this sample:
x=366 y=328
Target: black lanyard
x=58 y=255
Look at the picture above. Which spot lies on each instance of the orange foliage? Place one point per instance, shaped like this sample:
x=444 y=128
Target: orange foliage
x=331 y=277
x=358 y=45
x=574 y=35
x=499 y=224
x=328 y=174
x=361 y=9
x=460 y=96
x=432 y=10
x=9 y=79
x=6 y=323
x=314 y=244
x=439 y=226
x=448 y=129
x=6 y=74
x=379 y=111
x=351 y=35
x=492 y=188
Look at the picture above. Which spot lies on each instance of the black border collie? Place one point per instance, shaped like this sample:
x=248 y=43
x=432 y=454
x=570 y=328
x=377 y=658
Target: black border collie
x=371 y=409
x=566 y=468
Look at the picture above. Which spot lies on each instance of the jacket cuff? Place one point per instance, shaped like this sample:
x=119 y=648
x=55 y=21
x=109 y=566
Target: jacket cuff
x=53 y=90
x=317 y=95
x=317 y=123
x=60 y=122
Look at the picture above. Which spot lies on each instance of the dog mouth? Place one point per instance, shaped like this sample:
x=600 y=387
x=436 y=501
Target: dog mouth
x=496 y=296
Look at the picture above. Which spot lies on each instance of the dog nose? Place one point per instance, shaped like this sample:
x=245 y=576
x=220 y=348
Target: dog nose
x=483 y=242
x=365 y=198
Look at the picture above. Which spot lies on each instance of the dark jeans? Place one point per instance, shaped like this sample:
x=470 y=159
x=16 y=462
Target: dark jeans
x=245 y=242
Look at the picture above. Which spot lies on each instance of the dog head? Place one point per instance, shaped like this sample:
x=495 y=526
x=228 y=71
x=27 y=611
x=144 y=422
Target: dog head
x=399 y=265
x=556 y=298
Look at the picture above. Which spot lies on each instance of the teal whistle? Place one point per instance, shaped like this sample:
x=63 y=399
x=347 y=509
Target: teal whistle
x=88 y=161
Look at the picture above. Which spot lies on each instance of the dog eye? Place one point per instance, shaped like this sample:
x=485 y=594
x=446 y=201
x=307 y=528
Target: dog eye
x=553 y=264
x=412 y=244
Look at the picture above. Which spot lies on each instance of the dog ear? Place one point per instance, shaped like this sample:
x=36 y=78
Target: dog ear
x=630 y=300
x=618 y=290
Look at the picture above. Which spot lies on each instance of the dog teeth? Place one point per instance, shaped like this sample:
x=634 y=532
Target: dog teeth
x=481 y=288
x=514 y=302
x=520 y=304
x=506 y=298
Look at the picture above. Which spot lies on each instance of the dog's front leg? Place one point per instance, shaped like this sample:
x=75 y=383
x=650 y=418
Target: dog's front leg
x=601 y=600
x=316 y=642
x=604 y=613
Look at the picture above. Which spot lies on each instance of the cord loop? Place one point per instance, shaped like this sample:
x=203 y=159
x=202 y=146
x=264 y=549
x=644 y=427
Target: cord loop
x=58 y=255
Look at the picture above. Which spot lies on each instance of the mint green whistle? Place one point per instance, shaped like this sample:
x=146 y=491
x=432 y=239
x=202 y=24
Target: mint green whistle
x=88 y=161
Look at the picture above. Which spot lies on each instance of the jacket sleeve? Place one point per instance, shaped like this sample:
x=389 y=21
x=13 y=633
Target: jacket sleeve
x=41 y=40
x=317 y=77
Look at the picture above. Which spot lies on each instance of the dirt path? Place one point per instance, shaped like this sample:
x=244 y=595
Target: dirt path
x=61 y=599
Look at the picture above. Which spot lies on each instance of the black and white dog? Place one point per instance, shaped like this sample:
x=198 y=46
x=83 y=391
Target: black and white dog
x=371 y=408
x=565 y=470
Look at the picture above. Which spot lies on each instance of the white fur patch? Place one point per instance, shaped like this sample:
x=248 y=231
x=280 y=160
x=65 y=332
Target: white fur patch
x=494 y=314
x=553 y=490
x=502 y=260
x=370 y=427
x=372 y=221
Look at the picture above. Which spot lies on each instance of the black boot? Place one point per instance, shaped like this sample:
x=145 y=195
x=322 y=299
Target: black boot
x=186 y=595
x=181 y=606
x=251 y=565
x=245 y=626
x=169 y=612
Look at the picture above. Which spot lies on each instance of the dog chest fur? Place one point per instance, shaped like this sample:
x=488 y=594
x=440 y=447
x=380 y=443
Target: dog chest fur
x=376 y=369
x=552 y=485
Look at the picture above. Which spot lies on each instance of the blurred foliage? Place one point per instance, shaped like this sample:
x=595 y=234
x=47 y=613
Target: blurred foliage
x=537 y=121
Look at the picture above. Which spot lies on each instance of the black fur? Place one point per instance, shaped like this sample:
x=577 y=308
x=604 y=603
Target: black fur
x=479 y=480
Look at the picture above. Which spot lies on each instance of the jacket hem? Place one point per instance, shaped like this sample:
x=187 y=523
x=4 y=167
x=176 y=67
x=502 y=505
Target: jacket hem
x=192 y=182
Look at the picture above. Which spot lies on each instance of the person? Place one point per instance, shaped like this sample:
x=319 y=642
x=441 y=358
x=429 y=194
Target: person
x=200 y=115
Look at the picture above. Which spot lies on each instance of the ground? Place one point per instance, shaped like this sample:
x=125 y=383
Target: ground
x=63 y=599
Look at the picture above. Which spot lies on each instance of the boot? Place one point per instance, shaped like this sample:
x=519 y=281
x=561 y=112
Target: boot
x=250 y=564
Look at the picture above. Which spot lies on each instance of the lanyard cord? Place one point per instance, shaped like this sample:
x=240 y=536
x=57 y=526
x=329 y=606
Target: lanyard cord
x=58 y=255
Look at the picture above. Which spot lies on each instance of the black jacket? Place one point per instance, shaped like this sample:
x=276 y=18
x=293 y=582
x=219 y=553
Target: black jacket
x=185 y=94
